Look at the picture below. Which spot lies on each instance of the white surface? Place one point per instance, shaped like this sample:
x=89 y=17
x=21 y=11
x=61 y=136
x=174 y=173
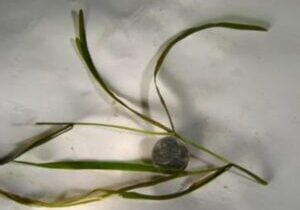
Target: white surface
x=236 y=92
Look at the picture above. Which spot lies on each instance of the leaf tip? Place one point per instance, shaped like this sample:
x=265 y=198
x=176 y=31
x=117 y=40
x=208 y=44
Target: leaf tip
x=81 y=12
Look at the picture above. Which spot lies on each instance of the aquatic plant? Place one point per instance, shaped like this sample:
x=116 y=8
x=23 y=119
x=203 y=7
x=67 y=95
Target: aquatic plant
x=170 y=155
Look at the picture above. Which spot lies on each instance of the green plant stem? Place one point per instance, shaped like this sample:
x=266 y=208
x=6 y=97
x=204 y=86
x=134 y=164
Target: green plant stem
x=108 y=126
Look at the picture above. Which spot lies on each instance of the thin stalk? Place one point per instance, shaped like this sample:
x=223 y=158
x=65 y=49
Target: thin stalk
x=108 y=126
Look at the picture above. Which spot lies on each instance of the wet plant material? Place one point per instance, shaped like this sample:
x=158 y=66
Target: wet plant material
x=169 y=156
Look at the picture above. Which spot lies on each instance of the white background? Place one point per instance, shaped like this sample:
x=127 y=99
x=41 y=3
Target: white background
x=235 y=92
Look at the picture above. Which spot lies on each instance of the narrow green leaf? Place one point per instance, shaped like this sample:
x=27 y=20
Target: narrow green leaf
x=99 y=165
x=169 y=44
x=35 y=142
x=83 y=49
x=187 y=32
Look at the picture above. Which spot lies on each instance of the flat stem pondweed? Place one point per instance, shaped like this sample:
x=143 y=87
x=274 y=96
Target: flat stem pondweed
x=207 y=175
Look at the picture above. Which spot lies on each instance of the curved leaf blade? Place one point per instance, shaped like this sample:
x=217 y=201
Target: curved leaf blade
x=169 y=44
x=82 y=46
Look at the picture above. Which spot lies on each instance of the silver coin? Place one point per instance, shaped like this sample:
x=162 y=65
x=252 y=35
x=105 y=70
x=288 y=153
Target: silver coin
x=170 y=154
